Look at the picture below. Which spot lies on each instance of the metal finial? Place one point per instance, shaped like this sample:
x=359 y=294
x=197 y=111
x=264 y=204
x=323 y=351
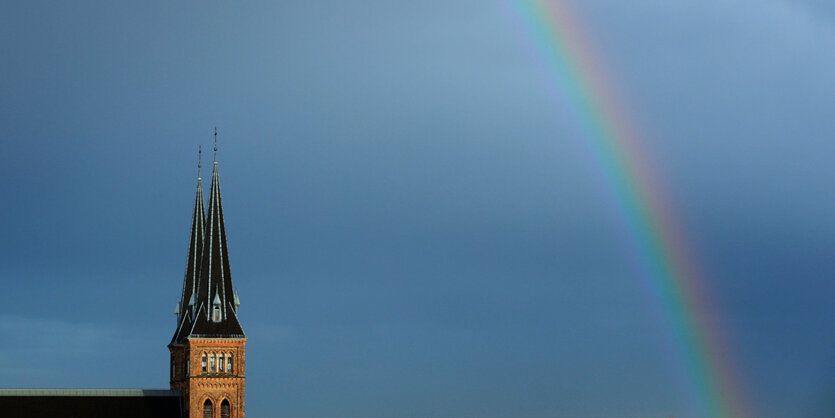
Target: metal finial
x=215 y=144
x=199 y=160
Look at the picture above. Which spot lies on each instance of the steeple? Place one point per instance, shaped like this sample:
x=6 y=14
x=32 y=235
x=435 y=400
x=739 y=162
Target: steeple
x=208 y=352
x=216 y=308
x=185 y=306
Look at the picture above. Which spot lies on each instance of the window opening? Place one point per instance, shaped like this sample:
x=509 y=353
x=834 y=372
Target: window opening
x=225 y=409
x=208 y=410
x=204 y=363
x=212 y=363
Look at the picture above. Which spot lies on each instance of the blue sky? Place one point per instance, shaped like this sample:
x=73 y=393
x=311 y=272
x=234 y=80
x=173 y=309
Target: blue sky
x=411 y=227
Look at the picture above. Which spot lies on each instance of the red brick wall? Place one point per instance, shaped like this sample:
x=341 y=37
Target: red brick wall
x=217 y=386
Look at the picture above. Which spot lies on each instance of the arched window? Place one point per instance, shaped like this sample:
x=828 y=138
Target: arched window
x=225 y=409
x=212 y=363
x=220 y=363
x=188 y=360
x=204 y=363
x=208 y=410
x=229 y=364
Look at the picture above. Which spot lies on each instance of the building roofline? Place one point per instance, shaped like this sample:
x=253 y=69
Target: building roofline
x=91 y=392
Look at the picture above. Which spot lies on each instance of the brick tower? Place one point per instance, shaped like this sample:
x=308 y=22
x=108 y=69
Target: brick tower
x=208 y=350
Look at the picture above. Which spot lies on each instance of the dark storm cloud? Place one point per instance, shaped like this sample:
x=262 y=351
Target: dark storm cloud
x=411 y=226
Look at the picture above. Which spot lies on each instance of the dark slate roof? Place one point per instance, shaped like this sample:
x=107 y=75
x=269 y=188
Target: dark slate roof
x=203 y=327
x=214 y=284
x=90 y=403
x=193 y=263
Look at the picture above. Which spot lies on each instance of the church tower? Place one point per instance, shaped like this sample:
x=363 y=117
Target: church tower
x=208 y=350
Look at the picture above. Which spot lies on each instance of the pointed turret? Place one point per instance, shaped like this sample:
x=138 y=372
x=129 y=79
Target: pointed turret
x=216 y=308
x=185 y=309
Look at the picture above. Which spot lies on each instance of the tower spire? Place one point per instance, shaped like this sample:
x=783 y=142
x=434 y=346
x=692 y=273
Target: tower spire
x=216 y=308
x=186 y=305
x=208 y=351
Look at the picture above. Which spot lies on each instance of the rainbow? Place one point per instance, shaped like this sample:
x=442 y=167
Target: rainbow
x=652 y=232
